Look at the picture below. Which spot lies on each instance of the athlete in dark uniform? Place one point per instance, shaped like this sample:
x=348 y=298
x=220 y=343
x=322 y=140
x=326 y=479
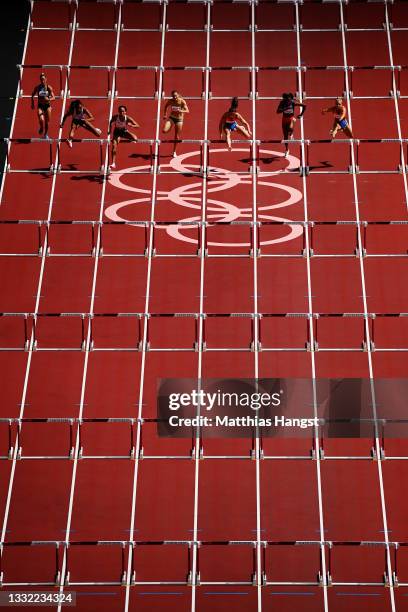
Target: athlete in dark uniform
x=81 y=117
x=120 y=123
x=45 y=95
x=286 y=107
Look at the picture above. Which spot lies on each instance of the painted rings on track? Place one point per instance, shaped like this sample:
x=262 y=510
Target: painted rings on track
x=189 y=196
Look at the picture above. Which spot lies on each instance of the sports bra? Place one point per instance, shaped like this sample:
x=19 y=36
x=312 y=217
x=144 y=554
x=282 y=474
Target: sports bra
x=121 y=124
x=79 y=114
x=43 y=92
x=288 y=108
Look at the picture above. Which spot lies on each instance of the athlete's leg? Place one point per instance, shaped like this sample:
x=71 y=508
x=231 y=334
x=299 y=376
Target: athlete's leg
x=334 y=129
x=115 y=143
x=91 y=128
x=285 y=130
x=131 y=136
x=72 y=134
x=348 y=132
x=227 y=136
x=167 y=126
x=41 y=121
x=243 y=131
x=178 y=127
x=47 y=119
x=291 y=128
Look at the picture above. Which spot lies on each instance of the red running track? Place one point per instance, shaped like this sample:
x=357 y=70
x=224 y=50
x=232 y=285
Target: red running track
x=78 y=468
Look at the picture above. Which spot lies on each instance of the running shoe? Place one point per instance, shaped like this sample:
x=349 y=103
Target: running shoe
x=98 y=131
x=69 y=143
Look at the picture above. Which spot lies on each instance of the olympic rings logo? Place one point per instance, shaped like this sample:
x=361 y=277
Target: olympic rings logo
x=189 y=196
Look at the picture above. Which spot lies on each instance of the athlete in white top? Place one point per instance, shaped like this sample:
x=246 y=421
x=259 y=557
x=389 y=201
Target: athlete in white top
x=178 y=108
x=81 y=117
x=45 y=95
x=120 y=123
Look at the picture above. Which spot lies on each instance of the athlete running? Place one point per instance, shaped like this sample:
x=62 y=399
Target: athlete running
x=81 y=117
x=232 y=121
x=45 y=95
x=178 y=108
x=120 y=123
x=287 y=108
x=340 y=122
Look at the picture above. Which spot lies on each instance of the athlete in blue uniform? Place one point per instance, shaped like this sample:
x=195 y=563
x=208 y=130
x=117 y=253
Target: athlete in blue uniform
x=340 y=121
x=232 y=121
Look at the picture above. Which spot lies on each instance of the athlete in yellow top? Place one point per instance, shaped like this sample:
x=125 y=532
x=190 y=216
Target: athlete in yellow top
x=178 y=108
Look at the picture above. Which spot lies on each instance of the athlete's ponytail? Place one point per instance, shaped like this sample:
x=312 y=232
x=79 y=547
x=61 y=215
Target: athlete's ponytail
x=234 y=104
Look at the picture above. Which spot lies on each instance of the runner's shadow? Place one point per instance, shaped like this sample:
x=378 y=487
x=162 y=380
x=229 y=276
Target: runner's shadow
x=92 y=178
x=146 y=156
x=69 y=167
x=45 y=172
x=264 y=160
x=323 y=164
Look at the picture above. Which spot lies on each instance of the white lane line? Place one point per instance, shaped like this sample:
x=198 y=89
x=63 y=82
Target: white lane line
x=145 y=337
x=194 y=564
x=366 y=323
x=64 y=565
x=3 y=176
x=36 y=307
x=256 y=321
x=311 y=329
x=397 y=113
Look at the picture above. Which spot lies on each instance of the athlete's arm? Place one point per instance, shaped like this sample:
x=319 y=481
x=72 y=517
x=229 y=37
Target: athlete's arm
x=222 y=121
x=65 y=117
x=35 y=90
x=243 y=121
x=165 y=109
x=303 y=106
x=330 y=109
x=88 y=114
x=280 y=107
x=132 y=122
x=51 y=95
x=111 y=122
x=184 y=108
